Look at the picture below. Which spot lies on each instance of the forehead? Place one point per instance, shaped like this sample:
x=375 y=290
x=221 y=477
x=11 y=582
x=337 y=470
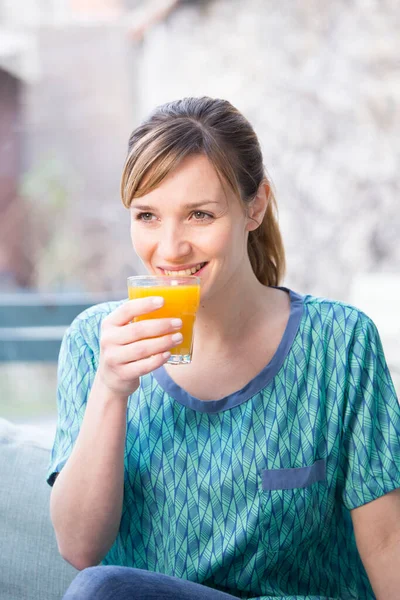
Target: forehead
x=195 y=178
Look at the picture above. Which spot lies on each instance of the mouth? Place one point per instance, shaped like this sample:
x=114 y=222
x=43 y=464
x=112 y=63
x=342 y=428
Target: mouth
x=194 y=270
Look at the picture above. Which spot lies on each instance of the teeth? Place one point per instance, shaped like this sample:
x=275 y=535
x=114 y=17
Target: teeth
x=184 y=272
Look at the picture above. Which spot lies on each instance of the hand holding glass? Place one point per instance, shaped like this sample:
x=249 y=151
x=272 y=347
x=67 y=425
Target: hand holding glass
x=181 y=300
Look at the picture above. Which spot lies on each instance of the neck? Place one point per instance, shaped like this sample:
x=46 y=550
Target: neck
x=229 y=313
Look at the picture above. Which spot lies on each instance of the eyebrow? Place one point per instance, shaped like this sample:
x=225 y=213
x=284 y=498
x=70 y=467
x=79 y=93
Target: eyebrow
x=146 y=207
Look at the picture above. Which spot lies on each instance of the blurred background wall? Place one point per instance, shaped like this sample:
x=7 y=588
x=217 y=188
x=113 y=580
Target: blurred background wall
x=320 y=85
x=319 y=82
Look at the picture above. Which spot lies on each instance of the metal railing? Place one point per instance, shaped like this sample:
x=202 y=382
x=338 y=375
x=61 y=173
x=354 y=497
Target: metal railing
x=32 y=325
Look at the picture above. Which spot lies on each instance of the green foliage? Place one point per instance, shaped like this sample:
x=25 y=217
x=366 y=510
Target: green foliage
x=45 y=186
x=47 y=190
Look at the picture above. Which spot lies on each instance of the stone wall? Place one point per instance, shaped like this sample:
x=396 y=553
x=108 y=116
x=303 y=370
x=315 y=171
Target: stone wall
x=321 y=86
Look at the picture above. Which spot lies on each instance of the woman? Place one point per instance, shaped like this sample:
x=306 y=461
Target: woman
x=266 y=468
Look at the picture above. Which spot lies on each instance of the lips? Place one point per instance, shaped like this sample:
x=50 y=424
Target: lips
x=184 y=272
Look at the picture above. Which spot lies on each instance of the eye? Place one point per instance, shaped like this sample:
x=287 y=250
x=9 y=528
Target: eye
x=144 y=216
x=199 y=215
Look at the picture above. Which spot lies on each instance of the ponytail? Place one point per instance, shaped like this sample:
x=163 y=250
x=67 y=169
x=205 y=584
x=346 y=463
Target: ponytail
x=265 y=247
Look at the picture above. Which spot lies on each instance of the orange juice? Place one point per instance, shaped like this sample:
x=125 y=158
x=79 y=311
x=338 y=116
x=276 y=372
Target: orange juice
x=180 y=301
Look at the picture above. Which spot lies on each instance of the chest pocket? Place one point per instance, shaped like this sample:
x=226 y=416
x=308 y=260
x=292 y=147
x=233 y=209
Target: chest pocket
x=293 y=505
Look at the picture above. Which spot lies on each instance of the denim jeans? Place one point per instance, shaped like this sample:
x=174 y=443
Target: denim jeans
x=125 y=583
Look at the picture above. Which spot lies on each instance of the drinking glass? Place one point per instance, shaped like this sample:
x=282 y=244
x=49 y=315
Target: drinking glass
x=181 y=300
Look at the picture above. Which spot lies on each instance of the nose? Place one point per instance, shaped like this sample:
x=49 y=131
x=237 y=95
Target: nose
x=174 y=244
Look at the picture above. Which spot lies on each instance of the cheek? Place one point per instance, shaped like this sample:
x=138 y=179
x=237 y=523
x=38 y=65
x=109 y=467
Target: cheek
x=219 y=241
x=140 y=241
x=229 y=241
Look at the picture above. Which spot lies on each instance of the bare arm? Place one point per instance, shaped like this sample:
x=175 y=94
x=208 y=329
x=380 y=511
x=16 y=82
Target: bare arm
x=377 y=531
x=86 y=500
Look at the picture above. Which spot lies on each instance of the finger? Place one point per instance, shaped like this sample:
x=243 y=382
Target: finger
x=132 y=371
x=149 y=328
x=134 y=308
x=145 y=348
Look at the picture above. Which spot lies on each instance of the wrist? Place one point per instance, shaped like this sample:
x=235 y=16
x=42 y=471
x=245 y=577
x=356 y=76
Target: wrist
x=107 y=395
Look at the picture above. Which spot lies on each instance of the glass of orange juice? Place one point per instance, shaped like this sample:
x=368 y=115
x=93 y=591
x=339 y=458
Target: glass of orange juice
x=181 y=300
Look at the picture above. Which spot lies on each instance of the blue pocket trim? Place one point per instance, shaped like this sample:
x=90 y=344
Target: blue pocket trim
x=288 y=479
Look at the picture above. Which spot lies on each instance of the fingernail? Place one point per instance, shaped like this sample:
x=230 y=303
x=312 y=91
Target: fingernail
x=177 y=337
x=176 y=322
x=158 y=301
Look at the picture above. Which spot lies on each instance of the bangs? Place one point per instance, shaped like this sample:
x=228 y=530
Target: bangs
x=146 y=168
x=162 y=150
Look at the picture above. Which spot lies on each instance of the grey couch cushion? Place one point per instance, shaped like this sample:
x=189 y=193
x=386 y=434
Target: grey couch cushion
x=30 y=565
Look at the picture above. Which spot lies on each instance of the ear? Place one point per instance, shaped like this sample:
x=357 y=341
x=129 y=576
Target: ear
x=257 y=207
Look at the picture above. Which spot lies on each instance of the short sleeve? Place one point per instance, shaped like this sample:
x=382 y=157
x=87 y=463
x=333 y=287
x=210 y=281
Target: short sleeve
x=370 y=452
x=75 y=377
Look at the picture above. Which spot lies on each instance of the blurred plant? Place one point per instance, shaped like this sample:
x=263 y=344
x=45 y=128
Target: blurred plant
x=45 y=183
x=46 y=190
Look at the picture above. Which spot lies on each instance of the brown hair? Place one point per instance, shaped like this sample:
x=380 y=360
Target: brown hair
x=216 y=129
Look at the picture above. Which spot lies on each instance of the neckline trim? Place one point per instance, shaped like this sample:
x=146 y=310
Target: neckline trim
x=256 y=384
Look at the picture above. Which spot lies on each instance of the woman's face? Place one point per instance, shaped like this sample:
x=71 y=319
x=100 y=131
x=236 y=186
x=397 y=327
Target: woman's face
x=191 y=224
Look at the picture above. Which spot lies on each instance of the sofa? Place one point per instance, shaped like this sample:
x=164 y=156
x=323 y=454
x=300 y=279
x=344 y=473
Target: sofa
x=30 y=565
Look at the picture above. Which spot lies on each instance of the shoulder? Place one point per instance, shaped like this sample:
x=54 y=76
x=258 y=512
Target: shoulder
x=96 y=313
x=335 y=311
x=85 y=328
x=334 y=321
